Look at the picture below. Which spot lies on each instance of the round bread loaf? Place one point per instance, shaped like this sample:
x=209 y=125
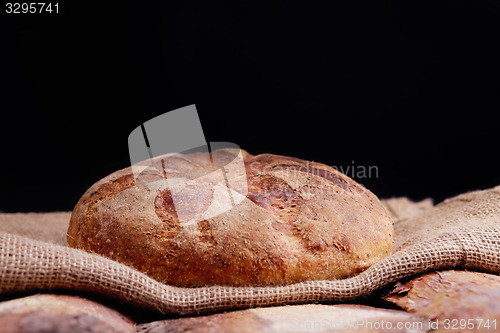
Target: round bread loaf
x=298 y=221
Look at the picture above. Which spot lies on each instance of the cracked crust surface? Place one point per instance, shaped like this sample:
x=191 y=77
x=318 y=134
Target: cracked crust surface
x=299 y=221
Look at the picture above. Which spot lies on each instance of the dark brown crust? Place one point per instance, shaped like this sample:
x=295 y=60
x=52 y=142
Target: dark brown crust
x=300 y=221
x=451 y=295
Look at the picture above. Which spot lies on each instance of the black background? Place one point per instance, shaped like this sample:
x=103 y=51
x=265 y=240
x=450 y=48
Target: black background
x=411 y=87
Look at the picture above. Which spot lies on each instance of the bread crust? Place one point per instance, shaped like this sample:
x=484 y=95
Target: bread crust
x=299 y=221
x=60 y=314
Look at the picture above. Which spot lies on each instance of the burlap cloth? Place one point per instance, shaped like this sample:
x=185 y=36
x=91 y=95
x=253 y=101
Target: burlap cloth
x=461 y=232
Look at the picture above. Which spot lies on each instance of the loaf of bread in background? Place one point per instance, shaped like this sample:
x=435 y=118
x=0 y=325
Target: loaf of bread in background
x=299 y=221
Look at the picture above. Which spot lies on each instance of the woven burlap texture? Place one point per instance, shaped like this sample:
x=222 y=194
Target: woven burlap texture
x=461 y=232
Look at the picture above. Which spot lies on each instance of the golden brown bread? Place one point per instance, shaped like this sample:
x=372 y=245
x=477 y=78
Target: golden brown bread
x=60 y=314
x=299 y=221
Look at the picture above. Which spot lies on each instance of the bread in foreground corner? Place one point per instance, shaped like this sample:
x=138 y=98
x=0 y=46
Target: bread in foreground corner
x=299 y=221
x=61 y=314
